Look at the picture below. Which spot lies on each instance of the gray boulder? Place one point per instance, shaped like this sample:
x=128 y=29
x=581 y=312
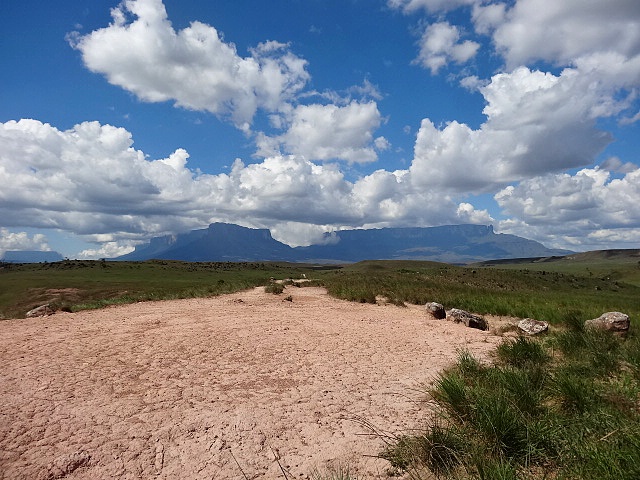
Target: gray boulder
x=436 y=310
x=532 y=327
x=615 y=322
x=469 y=319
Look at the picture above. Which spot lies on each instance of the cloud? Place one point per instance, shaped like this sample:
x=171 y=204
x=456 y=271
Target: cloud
x=536 y=123
x=472 y=83
x=440 y=44
x=193 y=67
x=614 y=164
x=578 y=209
x=328 y=132
x=487 y=17
x=467 y=213
x=560 y=32
x=91 y=181
x=382 y=144
x=21 y=241
x=431 y=6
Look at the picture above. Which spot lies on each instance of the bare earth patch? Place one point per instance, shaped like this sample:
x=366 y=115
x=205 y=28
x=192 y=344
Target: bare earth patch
x=185 y=389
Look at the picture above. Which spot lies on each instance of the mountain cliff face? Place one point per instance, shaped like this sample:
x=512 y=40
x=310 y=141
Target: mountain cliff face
x=221 y=242
x=451 y=243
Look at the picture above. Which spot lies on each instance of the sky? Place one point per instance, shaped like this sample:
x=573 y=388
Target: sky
x=124 y=121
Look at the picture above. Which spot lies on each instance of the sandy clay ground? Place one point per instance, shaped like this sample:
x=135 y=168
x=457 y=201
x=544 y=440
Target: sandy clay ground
x=236 y=386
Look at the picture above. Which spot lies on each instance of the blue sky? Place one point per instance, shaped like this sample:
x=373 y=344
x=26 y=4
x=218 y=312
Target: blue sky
x=124 y=121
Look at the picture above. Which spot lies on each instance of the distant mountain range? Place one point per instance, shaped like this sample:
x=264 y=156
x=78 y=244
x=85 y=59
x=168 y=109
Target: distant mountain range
x=30 y=256
x=451 y=244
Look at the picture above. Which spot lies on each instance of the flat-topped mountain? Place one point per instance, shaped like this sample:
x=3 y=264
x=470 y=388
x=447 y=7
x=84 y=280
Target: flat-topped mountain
x=30 y=256
x=450 y=243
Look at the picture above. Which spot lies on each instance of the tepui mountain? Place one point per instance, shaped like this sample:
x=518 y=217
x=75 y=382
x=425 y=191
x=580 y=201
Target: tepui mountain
x=449 y=243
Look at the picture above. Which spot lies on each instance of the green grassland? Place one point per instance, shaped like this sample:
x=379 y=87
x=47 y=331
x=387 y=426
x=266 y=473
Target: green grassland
x=563 y=407
x=618 y=265
x=74 y=285
x=502 y=290
x=547 y=291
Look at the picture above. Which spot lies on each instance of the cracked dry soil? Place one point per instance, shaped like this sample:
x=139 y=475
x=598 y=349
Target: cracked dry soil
x=235 y=386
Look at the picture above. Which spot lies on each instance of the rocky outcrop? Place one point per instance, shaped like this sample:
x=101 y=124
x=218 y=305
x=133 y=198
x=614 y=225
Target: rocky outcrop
x=436 y=310
x=469 y=319
x=532 y=327
x=616 y=322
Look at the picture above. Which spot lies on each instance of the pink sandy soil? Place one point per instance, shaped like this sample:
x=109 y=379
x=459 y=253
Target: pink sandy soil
x=237 y=386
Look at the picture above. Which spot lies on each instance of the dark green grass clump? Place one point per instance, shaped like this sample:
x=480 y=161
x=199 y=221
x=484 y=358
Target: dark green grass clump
x=565 y=409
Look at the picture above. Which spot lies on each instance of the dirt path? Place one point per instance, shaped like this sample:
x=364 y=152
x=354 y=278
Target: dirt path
x=185 y=389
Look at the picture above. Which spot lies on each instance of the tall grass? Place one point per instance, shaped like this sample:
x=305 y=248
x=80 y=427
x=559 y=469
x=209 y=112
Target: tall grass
x=551 y=409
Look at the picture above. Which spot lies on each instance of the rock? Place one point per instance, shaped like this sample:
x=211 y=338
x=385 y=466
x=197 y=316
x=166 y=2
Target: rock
x=436 y=310
x=615 y=322
x=532 y=327
x=41 y=311
x=469 y=319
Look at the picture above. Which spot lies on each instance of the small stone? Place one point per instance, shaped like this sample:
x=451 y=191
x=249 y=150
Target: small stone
x=532 y=327
x=616 y=322
x=436 y=310
x=41 y=311
x=469 y=319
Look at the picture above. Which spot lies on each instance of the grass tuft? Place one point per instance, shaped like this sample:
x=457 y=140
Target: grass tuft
x=535 y=415
x=522 y=352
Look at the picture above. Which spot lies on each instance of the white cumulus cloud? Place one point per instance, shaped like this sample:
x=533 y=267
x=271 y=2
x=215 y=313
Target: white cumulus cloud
x=21 y=241
x=536 y=123
x=329 y=132
x=91 y=181
x=578 y=209
x=440 y=44
x=431 y=6
x=194 y=67
x=561 y=32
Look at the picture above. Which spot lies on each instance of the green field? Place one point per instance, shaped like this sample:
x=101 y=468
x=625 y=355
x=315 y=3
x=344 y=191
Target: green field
x=546 y=290
x=74 y=285
x=502 y=290
x=618 y=265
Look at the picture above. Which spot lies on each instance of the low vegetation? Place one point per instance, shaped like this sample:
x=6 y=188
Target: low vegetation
x=73 y=285
x=566 y=407
x=540 y=294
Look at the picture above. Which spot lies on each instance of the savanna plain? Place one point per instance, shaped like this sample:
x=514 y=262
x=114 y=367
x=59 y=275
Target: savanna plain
x=166 y=369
